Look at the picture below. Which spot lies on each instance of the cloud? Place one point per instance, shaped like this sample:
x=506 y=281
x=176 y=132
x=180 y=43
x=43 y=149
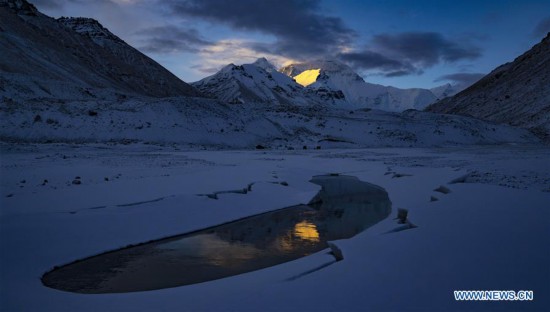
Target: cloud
x=400 y=73
x=424 y=49
x=171 y=39
x=238 y=51
x=542 y=28
x=299 y=28
x=58 y=4
x=370 y=60
x=410 y=53
x=462 y=79
x=204 y=69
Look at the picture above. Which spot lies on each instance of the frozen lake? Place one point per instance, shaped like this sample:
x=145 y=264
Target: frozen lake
x=490 y=229
x=343 y=208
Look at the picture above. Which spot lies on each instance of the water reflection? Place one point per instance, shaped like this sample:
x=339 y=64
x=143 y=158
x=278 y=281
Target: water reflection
x=344 y=207
x=307 y=231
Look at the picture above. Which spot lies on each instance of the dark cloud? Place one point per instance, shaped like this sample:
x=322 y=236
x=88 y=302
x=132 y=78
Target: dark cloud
x=542 y=28
x=463 y=79
x=300 y=29
x=401 y=73
x=394 y=55
x=169 y=39
x=58 y=4
x=301 y=32
x=261 y=47
x=424 y=49
x=371 y=60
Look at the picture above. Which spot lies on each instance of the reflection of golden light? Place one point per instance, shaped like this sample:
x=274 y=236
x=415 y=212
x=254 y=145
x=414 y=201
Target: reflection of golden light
x=307 y=77
x=213 y=250
x=307 y=231
x=284 y=243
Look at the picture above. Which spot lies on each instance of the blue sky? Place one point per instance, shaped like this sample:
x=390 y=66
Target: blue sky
x=401 y=43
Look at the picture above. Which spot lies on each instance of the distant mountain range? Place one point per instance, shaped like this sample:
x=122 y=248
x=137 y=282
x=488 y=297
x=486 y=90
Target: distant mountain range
x=72 y=80
x=73 y=58
x=258 y=82
x=325 y=82
x=332 y=75
x=516 y=93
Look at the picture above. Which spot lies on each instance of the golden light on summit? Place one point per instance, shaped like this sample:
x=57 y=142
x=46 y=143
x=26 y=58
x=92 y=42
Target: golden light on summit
x=307 y=231
x=307 y=77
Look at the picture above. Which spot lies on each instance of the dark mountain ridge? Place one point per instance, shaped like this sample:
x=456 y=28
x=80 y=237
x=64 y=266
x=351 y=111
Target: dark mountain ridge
x=516 y=93
x=73 y=58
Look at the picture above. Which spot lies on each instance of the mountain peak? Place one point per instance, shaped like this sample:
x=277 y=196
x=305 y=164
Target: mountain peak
x=89 y=27
x=228 y=68
x=324 y=65
x=515 y=93
x=263 y=63
x=351 y=90
x=445 y=90
x=75 y=54
x=308 y=73
x=21 y=7
x=258 y=82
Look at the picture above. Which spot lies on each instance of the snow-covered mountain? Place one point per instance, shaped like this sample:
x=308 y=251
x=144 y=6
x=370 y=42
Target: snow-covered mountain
x=93 y=29
x=74 y=58
x=258 y=82
x=71 y=80
x=516 y=93
x=445 y=90
x=329 y=75
x=329 y=83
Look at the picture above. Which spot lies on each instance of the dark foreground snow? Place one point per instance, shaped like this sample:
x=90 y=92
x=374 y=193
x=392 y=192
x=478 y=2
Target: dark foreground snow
x=491 y=231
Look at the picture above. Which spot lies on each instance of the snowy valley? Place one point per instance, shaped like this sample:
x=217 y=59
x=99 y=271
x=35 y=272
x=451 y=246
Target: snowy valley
x=103 y=150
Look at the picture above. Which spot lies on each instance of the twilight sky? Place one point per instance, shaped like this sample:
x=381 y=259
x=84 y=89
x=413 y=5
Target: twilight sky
x=417 y=43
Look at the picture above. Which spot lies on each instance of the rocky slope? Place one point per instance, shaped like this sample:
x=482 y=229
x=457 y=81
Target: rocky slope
x=73 y=58
x=516 y=93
